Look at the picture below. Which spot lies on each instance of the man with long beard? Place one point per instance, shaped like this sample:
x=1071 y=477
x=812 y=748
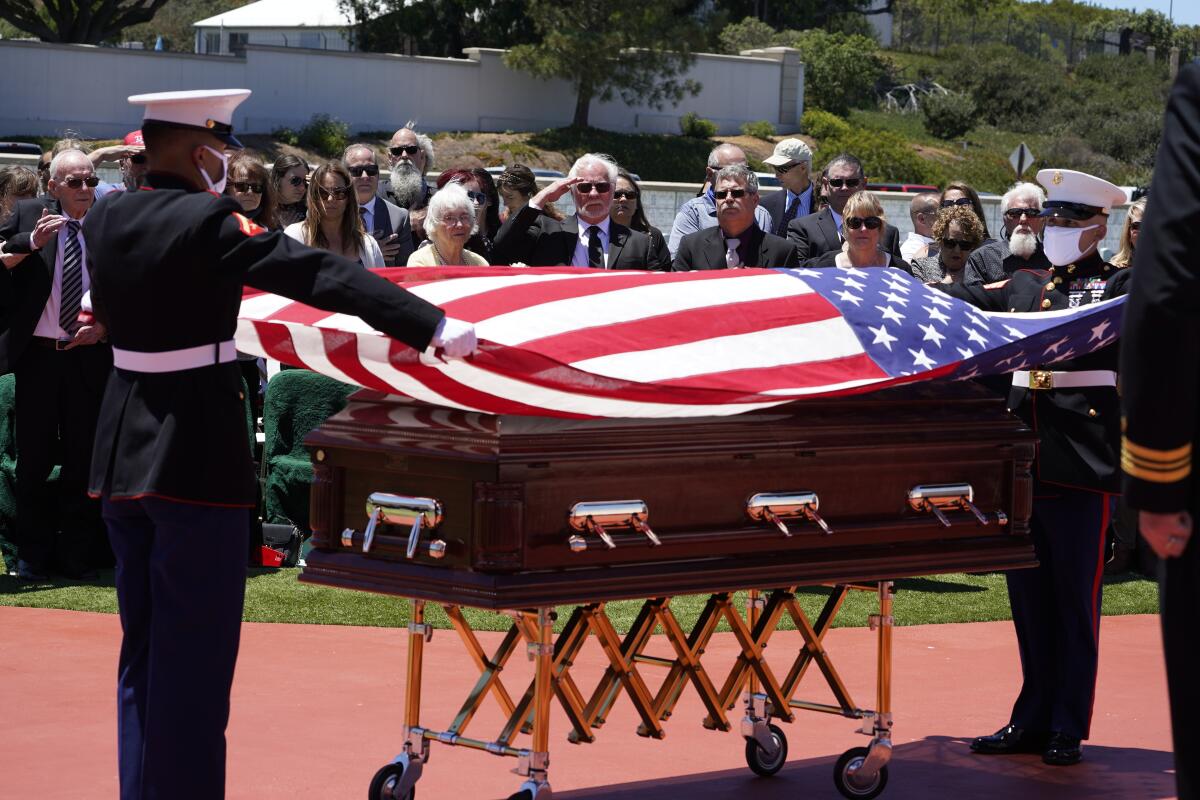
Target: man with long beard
x=1020 y=248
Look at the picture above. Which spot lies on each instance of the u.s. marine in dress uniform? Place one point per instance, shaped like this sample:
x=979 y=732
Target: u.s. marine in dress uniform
x=1160 y=379
x=1074 y=409
x=171 y=462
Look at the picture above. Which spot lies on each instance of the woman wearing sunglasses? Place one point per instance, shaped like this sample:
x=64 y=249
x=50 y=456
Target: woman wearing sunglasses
x=250 y=184
x=289 y=179
x=1129 y=234
x=863 y=224
x=962 y=194
x=627 y=211
x=957 y=232
x=332 y=222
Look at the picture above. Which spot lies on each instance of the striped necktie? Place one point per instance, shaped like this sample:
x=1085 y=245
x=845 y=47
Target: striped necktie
x=72 y=280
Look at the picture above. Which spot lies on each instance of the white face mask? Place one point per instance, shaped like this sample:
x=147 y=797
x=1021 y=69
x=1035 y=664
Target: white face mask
x=217 y=186
x=1062 y=244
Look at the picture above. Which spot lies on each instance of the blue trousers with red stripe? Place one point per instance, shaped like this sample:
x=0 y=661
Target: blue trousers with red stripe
x=1056 y=611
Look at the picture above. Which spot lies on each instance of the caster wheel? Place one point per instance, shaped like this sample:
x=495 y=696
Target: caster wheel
x=383 y=785
x=854 y=786
x=756 y=757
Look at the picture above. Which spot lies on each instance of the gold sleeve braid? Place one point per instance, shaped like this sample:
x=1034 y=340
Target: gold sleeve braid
x=1156 y=466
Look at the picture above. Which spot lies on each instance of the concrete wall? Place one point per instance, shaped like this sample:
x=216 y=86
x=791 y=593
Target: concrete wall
x=52 y=87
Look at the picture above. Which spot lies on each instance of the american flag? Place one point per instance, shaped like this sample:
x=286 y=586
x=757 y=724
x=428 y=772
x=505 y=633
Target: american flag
x=571 y=342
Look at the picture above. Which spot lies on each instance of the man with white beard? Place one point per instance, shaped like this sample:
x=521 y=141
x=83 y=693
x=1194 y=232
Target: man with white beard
x=410 y=154
x=1020 y=248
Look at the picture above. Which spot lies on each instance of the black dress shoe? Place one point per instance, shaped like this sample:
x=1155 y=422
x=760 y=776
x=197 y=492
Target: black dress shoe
x=1062 y=750
x=1009 y=740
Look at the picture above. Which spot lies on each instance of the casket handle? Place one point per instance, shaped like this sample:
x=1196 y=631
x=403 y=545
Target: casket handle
x=419 y=513
x=775 y=507
x=597 y=517
x=934 y=498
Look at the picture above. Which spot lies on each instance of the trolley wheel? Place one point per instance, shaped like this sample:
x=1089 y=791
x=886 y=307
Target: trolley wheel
x=756 y=757
x=854 y=787
x=383 y=785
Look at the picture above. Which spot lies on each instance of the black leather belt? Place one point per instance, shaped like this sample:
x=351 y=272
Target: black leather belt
x=50 y=344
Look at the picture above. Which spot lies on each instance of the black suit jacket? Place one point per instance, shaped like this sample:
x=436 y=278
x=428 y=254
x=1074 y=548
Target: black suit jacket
x=532 y=238
x=706 y=250
x=817 y=233
x=25 y=288
x=776 y=204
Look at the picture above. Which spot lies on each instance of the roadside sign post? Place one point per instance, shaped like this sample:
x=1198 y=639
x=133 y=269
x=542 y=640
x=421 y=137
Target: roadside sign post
x=1021 y=159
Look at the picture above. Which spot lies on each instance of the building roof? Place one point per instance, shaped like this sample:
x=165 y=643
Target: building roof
x=281 y=14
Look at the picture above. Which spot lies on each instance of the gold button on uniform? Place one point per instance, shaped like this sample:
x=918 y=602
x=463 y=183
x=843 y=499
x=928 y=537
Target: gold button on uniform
x=1058 y=281
x=1046 y=303
x=1050 y=286
x=1071 y=269
x=1093 y=412
x=241 y=395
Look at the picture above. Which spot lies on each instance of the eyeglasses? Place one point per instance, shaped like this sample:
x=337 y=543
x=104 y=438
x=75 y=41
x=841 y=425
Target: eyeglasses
x=785 y=168
x=870 y=223
x=735 y=193
x=363 y=169
x=337 y=193
x=478 y=198
x=296 y=180
x=77 y=183
x=243 y=187
x=405 y=149
x=586 y=187
x=464 y=220
x=957 y=244
x=625 y=194
x=1135 y=226
x=962 y=201
x=137 y=158
x=838 y=183
x=1017 y=213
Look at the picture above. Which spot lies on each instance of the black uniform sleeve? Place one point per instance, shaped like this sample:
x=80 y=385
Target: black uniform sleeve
x=276 y=263
x=976 y=295
x=1160 y=349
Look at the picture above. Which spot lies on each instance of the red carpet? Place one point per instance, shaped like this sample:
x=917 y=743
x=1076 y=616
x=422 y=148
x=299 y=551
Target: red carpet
x=316 y=710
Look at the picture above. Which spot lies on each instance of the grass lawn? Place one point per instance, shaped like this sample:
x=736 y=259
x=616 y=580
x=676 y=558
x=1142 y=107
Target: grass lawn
x=276 y=596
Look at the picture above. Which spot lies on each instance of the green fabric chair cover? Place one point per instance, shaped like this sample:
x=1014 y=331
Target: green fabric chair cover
x=297 y=401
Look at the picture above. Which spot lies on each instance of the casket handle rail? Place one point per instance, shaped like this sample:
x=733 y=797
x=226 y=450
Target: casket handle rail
x=935 y=499
x=775 y=507
x=418 y=513
x=598 y=517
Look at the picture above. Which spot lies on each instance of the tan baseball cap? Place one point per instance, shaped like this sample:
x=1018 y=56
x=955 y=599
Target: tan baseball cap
x=789 y=151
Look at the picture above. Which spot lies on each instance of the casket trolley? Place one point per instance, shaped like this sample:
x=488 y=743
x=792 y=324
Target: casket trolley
x=522 y=515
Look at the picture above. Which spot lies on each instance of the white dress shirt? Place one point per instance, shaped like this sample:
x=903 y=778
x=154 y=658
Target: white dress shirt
x=581 y=246
x=47 y=325
x=913 y=245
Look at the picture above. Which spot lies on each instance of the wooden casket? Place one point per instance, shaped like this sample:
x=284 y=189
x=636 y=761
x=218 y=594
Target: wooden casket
x=517 y=512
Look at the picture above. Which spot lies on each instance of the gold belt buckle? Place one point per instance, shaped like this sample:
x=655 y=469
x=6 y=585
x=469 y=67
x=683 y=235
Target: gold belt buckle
x=1041 y=379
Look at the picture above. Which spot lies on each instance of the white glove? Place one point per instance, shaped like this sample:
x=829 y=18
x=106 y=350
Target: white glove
x=455 y=337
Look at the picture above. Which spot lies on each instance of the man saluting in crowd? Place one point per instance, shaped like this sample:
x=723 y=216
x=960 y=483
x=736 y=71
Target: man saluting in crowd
x=171 y=461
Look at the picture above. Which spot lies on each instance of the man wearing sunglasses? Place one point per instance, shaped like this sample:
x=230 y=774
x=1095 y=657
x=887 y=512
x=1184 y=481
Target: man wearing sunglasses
x=792 y=162
x=410 y=156
x=821 y=232
x=1020 y=247
x=1073 y=406
x=387 y=222
x=700 y=212
x=587 y=238
x=49 y=341
x=131 y=155
x=737 y=241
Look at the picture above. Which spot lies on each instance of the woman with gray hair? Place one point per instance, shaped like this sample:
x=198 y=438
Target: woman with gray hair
x=449 y=222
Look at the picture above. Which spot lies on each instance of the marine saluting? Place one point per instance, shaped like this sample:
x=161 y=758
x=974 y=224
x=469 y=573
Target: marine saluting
x=172 y=464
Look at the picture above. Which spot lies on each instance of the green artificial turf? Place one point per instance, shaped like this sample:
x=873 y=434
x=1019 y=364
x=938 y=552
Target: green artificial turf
x=276 y=596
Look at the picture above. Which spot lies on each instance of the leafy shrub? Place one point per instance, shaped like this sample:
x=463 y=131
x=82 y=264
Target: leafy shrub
x=840 y=71
x=325 y=134
x=987 y=73
x=949 y=116
x=886 y=157
x=749 y=34
x=286 y=136
x=1072 y=152
x=696 y=126
x=520 y=152
x=822 y=125
x=759 y=129
x=655 y=157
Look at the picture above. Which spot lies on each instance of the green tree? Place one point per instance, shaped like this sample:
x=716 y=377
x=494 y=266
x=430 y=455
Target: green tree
x=437 y=27
x=174 y=21
x=77 y=21
x=840 y=71
x=637 y=49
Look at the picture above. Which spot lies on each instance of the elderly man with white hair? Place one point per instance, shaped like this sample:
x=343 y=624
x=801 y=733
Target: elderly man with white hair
x=450 y=220
x=701 y=212
x=1020 y=247
x=49 y=341
x=588 y=238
